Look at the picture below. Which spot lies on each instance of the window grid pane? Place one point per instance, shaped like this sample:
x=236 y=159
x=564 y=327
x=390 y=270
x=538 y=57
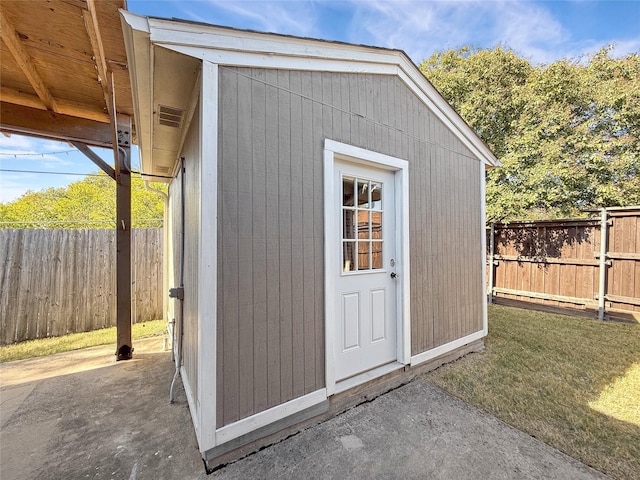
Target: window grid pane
x=362 y=230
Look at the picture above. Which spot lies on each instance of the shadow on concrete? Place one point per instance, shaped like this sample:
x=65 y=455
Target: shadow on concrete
x=108 y=420
x=115 y=422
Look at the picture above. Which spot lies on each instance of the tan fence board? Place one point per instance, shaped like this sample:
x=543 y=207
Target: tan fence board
x=57 y=281
x=555 y=263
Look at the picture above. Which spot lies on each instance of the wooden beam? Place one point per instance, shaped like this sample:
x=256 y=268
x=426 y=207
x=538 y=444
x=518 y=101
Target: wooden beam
x=114 y=128
x=95 y=158
x=65 y=107
x=93 y=30
x=124 y=349
x=81 y=4
x=42 y=123
x=22 y=58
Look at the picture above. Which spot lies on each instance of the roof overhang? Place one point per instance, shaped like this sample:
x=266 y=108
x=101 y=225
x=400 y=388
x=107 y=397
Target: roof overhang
x=165 y=57
x=63 y=70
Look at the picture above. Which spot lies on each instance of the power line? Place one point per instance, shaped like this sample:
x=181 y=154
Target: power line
x=41 y=154
x=352 y=114
x=52 y=173
x=133 y=172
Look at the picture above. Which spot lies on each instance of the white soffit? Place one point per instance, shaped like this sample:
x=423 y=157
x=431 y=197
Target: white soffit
x=228 y=46
x=163 y=82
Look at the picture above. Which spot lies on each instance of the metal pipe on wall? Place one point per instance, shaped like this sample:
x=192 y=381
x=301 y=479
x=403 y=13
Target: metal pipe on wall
x=179 y=292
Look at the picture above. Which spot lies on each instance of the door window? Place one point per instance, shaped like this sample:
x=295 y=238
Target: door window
x=362 y=231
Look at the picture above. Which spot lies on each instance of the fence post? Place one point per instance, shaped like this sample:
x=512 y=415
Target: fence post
x=491 y=261
x=602 y=264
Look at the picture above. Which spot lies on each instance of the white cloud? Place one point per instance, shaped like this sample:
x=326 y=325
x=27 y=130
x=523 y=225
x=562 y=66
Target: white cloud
x=535 y=30
x=421 y=28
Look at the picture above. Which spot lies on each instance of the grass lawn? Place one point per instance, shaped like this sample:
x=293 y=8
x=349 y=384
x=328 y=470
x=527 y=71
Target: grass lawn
x=75 y=341
x=571 y=382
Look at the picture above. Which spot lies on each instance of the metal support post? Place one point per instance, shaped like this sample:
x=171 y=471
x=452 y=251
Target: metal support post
x=602 y=284
x=123 y=240
x=492 y=237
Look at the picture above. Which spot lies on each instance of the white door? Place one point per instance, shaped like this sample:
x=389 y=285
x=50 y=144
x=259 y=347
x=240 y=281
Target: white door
x=365 y=276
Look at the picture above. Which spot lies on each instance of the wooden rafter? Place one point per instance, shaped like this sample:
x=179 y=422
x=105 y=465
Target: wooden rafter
x=41 y=123
x=65 y=107
x=22 y=58
x=93 y=30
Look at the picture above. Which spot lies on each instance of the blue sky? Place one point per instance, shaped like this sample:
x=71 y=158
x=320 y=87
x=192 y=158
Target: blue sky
x=541 y=31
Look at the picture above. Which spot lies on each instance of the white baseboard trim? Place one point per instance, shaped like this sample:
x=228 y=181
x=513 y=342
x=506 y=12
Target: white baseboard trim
x=446 y=348
x=249 y=424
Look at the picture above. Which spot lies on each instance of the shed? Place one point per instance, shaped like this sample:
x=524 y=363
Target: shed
x=327 y=222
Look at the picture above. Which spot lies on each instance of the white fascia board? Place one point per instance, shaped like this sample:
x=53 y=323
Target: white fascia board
x=174 y=33
x=140 y=62
x=262 y=419
x=446 y=348
x=253 y=49
x=134 y=21
x=262 y=60
x=445 y=113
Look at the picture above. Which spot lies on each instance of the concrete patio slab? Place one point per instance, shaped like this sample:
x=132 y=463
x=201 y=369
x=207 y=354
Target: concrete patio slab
x=82 y=415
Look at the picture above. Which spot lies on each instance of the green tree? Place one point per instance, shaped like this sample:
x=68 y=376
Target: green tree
x=89 y=203
x=567 y=134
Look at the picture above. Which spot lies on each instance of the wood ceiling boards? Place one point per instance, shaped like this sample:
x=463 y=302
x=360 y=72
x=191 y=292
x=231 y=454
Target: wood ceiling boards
x=62 y=67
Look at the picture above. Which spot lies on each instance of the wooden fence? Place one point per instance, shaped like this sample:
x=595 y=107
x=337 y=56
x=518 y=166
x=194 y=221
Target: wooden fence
x=54 y=282
x=591 y=266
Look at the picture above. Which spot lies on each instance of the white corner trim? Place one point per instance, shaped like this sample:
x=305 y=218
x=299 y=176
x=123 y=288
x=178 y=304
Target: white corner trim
x=330 y=259
x=403 y=247
x=400 y=167
x=207 y=255
x=446 y=348
x=483 y=252
x=190 y=399
x=262 y=419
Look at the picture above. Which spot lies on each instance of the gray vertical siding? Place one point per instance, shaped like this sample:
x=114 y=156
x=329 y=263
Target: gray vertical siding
x=271 y=291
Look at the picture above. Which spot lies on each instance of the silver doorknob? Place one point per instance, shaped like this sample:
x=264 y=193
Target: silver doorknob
x=394 y=274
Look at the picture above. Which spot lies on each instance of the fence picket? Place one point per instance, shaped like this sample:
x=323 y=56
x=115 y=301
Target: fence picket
x=54 y=282
x=575 y=264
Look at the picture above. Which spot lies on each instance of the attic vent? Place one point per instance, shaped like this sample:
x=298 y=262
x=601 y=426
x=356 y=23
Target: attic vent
x=169 y=116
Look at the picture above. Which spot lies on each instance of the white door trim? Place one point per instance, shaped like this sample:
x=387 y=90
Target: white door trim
x=340 y=151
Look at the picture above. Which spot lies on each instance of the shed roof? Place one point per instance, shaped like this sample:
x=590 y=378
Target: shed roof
x=167 y=54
